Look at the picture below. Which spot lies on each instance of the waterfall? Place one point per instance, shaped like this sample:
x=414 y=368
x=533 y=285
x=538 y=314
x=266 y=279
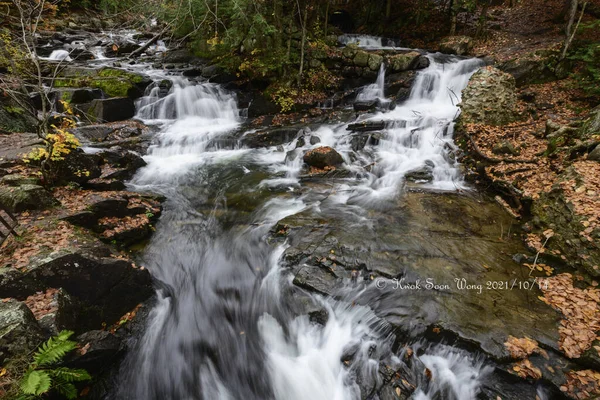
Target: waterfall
x=59 y=55
x=374 y=91
x=222 y=328
x=368 y=42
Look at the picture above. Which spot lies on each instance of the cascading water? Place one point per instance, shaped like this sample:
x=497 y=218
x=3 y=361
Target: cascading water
x=374 y=91
x=369 y=42
x=222 y=327
x=59 y=55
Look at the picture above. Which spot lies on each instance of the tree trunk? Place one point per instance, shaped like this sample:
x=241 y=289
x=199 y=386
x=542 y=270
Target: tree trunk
x=388 y=10
x=571 y=31
x=303 y=43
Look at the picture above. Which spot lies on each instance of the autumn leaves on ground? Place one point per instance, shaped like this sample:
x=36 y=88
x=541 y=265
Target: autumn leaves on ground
x=539 y=158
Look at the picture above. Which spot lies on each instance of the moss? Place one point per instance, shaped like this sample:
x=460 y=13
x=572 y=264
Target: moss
x=114 y=82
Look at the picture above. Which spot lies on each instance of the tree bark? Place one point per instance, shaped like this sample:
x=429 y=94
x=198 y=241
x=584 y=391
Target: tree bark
x=303 y=43
x=571 y=31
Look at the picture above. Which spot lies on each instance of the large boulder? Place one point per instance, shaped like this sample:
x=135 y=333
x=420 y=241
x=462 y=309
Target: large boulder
x=489 y=98
x=25 y=197
x=19 y=331
x=323 y=157
x=111 y=110
x=459 y=45
x=406 y=61
x=114 y=82
x=262 y=105
x=105 y=286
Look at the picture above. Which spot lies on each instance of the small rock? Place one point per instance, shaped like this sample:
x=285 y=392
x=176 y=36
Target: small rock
x=315 y=140
x=504 y=148
x=595 y=154
x=322 y=157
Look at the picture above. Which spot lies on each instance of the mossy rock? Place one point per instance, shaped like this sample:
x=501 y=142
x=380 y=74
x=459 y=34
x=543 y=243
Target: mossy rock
x=553 y=211
x=25 y=197
x=536 y=67
x=15 y=119
x=114 y=82
x=403 y=62
x=361 y=59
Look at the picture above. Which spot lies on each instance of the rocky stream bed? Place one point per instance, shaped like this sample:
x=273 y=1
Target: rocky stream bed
x=340 y=255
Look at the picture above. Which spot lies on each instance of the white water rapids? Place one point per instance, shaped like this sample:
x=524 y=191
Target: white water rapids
x=222 y=329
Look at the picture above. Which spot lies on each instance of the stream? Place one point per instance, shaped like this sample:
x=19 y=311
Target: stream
x=222 y=327
x=273 y=284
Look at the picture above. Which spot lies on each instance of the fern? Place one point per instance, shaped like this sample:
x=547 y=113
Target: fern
x=35 y=382
x=42 y=377
x=70 y=375
x=54 y=349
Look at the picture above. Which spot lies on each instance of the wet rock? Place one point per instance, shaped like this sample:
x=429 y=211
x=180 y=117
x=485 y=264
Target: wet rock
x=262 y=105
x=367 y=126
x=317 y=279
x=366 y=105
x=489 y=98
x=358 y=142
x=111 y=110
x=270 y=137
x=404 y=62
x=315 y=140
x=20 y=333
x=25 y=197
x=422 y=174
x=461 y=237
x=459 y=45
x=110 y=132
x=102 y=349
x=86 y=95
x=322 y=157
x=120 y=48
x=504 y=148
x=532 y=67
x=90 y=275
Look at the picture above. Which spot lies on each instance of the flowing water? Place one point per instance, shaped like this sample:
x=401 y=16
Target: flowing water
x=223 y=326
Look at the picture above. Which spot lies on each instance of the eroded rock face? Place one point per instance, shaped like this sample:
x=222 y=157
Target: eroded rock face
x=489 y=98
x=323 y=157
x=111 y=110
x=19 y=331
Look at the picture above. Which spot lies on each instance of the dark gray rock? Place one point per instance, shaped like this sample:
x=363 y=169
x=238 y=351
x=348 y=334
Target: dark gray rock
x=77 y=166
x=270 y=137
x=64 y=317
x=594 y=154
x=367 y=126
x=262 y=105
x=110 y=110
x=86 y=95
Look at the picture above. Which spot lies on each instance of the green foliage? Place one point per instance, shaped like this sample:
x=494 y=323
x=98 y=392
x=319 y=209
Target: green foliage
x=587 y=55
x=43 y=375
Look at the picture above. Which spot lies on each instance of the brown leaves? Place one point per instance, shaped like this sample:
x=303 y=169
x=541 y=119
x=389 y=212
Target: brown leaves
x=580 y=310
x=520 y=348
x=42 y=303
x=582 y=384
x=525 y=369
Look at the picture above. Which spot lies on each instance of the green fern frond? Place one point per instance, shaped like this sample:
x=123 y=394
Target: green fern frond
x=54 y=349
x=70 y=375
x=35 y=382
x=66 y=389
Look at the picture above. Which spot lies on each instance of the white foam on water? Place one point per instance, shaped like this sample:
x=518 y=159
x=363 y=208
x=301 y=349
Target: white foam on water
x=58 y=55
